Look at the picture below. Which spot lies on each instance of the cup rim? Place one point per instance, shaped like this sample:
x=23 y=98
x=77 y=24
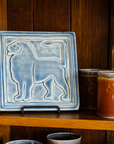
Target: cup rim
x=106 y=74
x=23 y=140
x=91 y=71
x=62 y=133
x=106 y=71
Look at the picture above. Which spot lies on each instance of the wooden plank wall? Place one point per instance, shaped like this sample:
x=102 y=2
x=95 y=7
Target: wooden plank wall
x=51 y=15
x=20 y=15
x=111 y=34
x=4 y=130
x=89 y=19
x=3 y=15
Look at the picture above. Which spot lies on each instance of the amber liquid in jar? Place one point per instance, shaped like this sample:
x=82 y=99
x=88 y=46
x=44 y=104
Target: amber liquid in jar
x=105 y=99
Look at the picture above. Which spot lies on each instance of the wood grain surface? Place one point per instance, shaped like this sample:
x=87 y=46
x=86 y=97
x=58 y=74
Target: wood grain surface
x=77 y=120
x=52 y=15
x=90 y=22
x=4 y=134
x=20 y=15
x=111 y=35
x=22 y=133
x=3 y=14
x=90 y=136
x=109 y=137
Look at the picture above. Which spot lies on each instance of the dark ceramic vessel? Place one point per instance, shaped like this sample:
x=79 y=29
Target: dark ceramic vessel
x=88 y=88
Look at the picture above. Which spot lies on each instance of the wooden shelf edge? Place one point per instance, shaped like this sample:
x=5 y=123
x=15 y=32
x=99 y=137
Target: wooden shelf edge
x=57 y=123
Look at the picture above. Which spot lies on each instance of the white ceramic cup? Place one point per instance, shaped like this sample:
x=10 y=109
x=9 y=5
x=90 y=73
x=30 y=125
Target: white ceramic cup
x=63 y=138
x=23 y=142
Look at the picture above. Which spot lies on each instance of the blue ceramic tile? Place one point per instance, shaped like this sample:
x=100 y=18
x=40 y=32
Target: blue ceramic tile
x=38 y=69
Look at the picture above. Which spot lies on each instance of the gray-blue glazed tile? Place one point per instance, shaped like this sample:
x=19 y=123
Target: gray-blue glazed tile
x=38 y=68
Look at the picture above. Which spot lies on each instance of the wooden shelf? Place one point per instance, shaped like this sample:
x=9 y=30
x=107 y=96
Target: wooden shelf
x=83 y=119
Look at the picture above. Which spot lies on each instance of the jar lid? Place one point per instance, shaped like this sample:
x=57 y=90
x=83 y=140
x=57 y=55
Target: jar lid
x=106 y=74
x=89 y=71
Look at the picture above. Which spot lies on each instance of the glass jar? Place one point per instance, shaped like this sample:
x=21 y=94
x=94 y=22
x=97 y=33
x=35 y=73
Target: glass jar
x=88 y=88
x=105 y=94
